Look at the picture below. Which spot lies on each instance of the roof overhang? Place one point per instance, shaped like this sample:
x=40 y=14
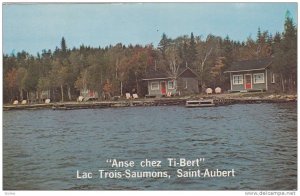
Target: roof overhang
x=158 y=78
x=245 y=70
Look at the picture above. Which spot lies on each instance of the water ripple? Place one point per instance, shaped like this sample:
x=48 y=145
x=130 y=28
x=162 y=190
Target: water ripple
x=43 y=149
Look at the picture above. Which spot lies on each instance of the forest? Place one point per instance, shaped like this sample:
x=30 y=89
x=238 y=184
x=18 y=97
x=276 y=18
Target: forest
x=116 y=69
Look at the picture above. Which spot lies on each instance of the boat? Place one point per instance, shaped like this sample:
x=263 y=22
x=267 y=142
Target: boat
x=200 y=103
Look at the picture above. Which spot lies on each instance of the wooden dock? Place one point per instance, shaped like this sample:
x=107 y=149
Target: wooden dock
x=140 y=102
x=27 y=107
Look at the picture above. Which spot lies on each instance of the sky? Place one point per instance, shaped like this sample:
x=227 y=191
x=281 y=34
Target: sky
x=37 y=26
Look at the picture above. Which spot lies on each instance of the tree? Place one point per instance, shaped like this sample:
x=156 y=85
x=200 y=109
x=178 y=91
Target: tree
x=192 y=52
x=216 y=71
x=107 y=89
x=11 y=81
x=204 y=51
x=44 y=84
x=81 y=82
x=163 y=44
x=63 y=45
x=58 y=76
x=285 y=62
x=21 y=76
x=174 y=61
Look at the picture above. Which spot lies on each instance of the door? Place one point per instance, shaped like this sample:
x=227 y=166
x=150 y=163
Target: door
x=163 y=87
x=248 y=81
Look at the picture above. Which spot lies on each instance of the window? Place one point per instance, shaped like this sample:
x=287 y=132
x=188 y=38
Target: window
x=154 y=86
x=186 y=84
x=171 y=84
x=237 y=79
x=259 y=78
x=273 y=78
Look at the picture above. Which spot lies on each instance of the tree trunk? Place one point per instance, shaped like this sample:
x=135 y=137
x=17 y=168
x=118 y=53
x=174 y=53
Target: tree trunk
x=62 y=92
x=201 y=82
x=39 y=96
x=21 y=94
x=69 y=92
x=11 y=94
x=137 y=84
x=53 y=92
x=282 y=83
x=121 y=88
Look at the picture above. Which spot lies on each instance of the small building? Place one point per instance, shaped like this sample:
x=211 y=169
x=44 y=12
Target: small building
x=160 y=83
x=252 y=75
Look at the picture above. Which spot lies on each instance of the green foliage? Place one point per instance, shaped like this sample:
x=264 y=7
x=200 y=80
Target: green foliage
x=285 y=61
x=192 y=52
x=163 y=44
x=63 y=45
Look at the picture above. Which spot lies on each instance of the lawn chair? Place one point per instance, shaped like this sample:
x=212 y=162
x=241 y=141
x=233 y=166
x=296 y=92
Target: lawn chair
x=208 y=91
x=128 y=96
x=135 y=96
x=218 y=90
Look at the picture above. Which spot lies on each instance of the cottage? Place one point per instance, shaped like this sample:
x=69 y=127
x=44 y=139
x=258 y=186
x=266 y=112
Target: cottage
x=252 y=75
x=160 y=83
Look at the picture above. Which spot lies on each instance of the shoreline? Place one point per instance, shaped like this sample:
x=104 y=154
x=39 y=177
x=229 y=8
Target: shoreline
x=219 y=100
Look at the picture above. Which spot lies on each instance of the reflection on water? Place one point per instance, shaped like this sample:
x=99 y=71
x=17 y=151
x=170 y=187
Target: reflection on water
x=42 y=150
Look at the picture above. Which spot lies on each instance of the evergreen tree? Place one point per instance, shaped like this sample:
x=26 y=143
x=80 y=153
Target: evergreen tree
x=258 y=35
x=285 y=63
x=192 y=51
x=277 y=38
x=63 y=45
x=163 y=44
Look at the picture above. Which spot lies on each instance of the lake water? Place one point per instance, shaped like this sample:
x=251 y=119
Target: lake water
x=43 y=149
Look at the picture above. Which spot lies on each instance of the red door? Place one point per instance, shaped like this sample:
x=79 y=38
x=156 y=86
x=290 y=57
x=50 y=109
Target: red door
x=248 y=81
x=163 y=88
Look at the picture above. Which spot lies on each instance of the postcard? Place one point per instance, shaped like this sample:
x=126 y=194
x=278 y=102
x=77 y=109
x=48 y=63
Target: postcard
x=150 y=96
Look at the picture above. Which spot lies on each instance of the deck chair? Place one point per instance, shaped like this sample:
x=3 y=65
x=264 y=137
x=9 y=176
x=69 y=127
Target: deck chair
x=208 y=91
x=80 y=98
x=127 y=95
x=135 y=96
x=218 y=90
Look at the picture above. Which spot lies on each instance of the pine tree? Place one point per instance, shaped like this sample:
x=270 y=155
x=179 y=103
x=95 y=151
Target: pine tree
x=163 y=44
x=259 y=36
x=63 y=45
x=228 y=51
x=185 y=53
x=192 y=51
x=277 y=38
x=285 y=62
